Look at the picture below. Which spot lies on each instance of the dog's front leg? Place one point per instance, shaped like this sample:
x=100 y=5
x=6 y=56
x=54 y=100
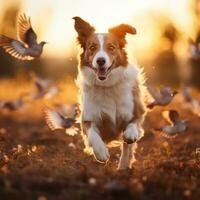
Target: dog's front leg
x=94 y=140
x=134 y=130
x=131 y=133
x=127 y=155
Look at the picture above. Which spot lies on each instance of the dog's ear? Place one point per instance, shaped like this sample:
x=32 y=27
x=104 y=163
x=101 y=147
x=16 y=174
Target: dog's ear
x=84 y=30
x=120 y=32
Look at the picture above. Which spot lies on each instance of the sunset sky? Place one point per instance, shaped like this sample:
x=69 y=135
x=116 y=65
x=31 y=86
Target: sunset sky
x=52 y=19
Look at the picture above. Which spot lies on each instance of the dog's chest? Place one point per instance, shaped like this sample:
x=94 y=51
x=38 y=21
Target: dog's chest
x=115 y=103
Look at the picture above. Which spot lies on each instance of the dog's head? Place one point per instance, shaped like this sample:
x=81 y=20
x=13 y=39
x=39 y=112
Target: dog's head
x=102 y=52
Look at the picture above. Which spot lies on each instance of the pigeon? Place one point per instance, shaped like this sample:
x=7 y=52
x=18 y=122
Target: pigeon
x=186 y=92
x=177 y=125
x=56 y=121
x=27 y=48
x=194 y=49
x=162 y=98
x=44 y=88
x=13 y=105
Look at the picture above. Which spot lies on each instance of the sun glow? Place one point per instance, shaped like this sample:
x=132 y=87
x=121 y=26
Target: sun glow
x=53 y=20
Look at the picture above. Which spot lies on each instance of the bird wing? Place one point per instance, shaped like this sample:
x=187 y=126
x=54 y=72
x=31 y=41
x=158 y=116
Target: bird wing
x=41 y=84
x=165 y=91
x=25 y=31
x=177 y=126
x=186 y=92
x=154 y=92
x=14 y=48
x=174 y=116
x=37 y=82
x=53 y=119
x=169 y=131
x=176 y=129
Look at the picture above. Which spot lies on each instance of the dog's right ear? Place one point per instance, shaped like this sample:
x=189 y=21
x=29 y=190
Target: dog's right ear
x=84 y=30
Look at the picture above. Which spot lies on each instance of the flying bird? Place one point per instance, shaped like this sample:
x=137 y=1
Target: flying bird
x=27 y=48
x=195 y=104
x=177 y=125
x=186 y=92
x=44 y=88
x=55 y=121
x=162 y=97
x=13 y=105
x=194 y=48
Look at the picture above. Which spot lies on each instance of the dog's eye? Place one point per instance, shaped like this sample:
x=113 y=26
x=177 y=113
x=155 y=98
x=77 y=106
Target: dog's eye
x=92 y=48
x=111 y=48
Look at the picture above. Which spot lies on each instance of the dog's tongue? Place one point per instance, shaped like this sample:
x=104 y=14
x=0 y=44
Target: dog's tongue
x=101 y=73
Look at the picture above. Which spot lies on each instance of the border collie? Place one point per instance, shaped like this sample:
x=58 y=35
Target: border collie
x=111 y=92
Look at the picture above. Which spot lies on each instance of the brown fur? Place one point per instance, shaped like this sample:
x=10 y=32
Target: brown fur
x=120 y=32
x=83 y=29
x=118 y=55
x=115 y=38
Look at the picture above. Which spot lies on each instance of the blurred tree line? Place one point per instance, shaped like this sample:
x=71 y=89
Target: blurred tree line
x=166 y=63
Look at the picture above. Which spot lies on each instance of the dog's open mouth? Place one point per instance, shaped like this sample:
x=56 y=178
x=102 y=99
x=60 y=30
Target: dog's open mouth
x=103 y=72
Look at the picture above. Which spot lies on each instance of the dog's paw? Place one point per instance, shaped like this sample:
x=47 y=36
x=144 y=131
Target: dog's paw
x=101 y=152
x=99 y=148
x=131 y=134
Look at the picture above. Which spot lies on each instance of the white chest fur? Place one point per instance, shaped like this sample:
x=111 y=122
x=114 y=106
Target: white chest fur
x=114 y=102
x=113 y=98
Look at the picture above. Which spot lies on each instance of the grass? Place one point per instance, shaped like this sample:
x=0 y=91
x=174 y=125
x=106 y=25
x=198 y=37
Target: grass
x=38 y=164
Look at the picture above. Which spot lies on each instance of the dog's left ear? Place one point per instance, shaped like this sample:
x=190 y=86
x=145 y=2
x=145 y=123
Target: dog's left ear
x=120 y=32
x=84 y=30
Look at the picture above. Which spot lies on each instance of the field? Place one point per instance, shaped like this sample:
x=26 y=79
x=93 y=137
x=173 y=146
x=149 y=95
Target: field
x=36 y=163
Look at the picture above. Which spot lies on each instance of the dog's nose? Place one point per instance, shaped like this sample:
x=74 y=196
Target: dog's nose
x=101 y=61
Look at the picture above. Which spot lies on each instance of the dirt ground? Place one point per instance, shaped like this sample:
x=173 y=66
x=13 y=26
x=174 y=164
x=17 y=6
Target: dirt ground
x=36 y=164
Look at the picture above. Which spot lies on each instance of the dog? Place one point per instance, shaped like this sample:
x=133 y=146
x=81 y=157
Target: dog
x=111 y=92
